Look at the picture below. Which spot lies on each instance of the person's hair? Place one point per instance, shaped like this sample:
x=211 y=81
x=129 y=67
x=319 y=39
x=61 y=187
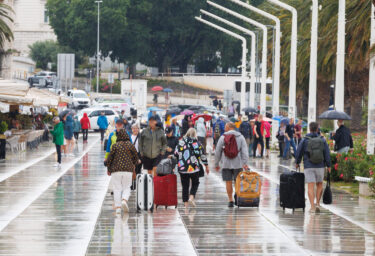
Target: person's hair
x=191 y=133
x=260 y=117
x=135 y=126
x=314 y=126
x=56 y=118
x=231 y=126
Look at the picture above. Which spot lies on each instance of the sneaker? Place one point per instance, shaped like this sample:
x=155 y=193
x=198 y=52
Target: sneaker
x=56 y=165
x=125 y=206
x=230 y=204
x=72 y=155
x=192 y=202
x=118 y=211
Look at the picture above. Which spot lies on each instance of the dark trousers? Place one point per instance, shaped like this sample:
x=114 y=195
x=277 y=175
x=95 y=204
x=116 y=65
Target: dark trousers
x=58 y=151
x=85 y=133
x=203 y=141
x=76 y=135
x=255 y=146
x=185 y=181
x=102 y=131
x=2 y=148
x=281 y=148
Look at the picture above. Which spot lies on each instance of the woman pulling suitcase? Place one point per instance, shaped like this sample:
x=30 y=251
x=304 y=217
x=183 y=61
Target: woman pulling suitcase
x=189 y=153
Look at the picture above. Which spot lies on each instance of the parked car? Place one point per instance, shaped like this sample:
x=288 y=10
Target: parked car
x=78 y=99
x=94 y=112
x=43 y=79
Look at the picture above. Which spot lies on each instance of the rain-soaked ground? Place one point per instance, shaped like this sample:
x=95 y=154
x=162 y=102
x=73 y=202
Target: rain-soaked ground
x=47 y=211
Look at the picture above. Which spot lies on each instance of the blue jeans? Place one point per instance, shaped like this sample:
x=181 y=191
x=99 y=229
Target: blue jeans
x=289 y=143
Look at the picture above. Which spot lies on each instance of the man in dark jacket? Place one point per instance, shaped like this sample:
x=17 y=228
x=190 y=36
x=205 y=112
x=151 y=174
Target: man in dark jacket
x=314 y=172
x=245 y=130
x=343 y=138
x=172 y=142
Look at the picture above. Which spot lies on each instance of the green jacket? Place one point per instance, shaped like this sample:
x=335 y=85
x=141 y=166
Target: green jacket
x=58 y=134
x=152 y=144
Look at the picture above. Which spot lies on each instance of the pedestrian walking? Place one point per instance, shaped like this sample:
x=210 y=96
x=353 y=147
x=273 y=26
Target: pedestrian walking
x=218 y=130
x=176 y=128
x=298 y=132
x=68 y=134
x=76 y=128
x=172 y=142
x=152 y=146
x=245 y=130
x=231 y=110
x=232 y=156
x=190 y=155
x=220 y=105
x=201 y=133
x=267 y=135
x=121 y=164
x=289 y=139
x=258 y=140
x=85 y=124
x=58 y=138
x=103 y=125
x=281 y=138
x=185 y=125
x=112 y=139
x=316 y=156
x=343 y=138
x=238 y=122
x=252 y=138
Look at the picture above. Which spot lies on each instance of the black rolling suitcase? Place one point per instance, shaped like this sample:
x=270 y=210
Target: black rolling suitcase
x=292 y=190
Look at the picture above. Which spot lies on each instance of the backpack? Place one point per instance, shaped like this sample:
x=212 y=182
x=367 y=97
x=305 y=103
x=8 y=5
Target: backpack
x=230 y=146
x=166 y=166
x=217 y=132
x=248 y=187
x=315 y=149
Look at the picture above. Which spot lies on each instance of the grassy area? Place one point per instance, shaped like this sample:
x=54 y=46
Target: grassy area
x=350 y=187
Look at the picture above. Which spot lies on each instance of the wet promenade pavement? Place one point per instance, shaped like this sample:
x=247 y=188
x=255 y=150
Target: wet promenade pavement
x=46 y=211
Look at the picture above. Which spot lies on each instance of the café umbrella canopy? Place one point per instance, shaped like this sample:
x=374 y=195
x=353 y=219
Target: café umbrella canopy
x=156 y=109
x=157 y=88
x=334 y=115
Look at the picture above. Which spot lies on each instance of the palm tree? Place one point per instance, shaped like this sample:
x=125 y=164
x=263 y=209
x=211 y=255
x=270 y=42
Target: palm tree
x=6 y=33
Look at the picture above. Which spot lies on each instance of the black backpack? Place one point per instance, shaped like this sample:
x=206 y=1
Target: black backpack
x=315 y=149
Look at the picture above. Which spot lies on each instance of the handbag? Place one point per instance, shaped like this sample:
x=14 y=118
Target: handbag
x=327 y=195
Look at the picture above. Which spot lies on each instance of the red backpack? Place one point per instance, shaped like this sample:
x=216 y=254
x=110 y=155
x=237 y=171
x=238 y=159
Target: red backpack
x=230 y=146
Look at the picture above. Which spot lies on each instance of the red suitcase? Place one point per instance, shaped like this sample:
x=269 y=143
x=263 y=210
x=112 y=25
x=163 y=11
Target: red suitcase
x=165 y=190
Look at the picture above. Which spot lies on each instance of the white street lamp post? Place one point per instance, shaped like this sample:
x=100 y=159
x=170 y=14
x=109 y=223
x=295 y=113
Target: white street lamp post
x=371 y=93
x=311 y=116
x=264 y=52
x=97 y=49
x=244 y=52
x=276 y=78
x=340 y=62
x=293 y=57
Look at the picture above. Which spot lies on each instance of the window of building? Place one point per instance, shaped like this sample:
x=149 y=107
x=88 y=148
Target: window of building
x=46 y=18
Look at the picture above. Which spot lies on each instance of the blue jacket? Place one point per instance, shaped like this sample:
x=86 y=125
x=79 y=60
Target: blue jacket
x=302 y=152
x=222 y=127
x=68 y=127
x=112 y=140
x=102 y=122
x=76 y=125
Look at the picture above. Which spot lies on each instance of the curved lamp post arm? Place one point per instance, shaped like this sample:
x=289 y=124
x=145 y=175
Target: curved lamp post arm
x=252 y=55
x=244 y=51
x=293 y=57
x=264 y=50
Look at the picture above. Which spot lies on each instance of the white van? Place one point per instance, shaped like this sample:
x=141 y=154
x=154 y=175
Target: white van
x=94 y=112
x=78 y=99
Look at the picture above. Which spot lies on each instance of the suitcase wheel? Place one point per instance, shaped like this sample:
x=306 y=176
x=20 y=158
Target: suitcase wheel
x=293 y=210
x=175 y=207
x=166 y=207
x=283 y=209
x=303 y=209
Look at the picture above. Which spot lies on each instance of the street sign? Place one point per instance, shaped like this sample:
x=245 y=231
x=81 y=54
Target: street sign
x=111 y=79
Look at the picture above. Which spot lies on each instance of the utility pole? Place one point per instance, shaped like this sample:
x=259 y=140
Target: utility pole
x=311 y=116
x=371 y=93
x=244 y=52
x=340 y=63
x=97 y=49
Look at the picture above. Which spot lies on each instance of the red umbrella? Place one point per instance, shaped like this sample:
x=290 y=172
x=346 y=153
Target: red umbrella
x=157 y=88
x=205 y=116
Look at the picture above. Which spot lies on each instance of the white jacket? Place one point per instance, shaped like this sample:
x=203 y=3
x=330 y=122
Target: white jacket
x=201 y=128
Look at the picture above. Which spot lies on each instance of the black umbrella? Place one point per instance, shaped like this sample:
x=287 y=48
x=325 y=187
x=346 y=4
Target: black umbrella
x=249 y=110
x=64 y=113
x=213 y=96
x=236 y=102
x=335 y=115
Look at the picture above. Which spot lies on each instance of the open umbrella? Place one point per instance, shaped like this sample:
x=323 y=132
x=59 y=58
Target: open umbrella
x=64 y=113
x=157 y=88
x=233 y=119
x=236 y=102
x=278 y=118
x=168 y=90
x=205 y=116
x=249 y=110
x=152 y=109
x=187 y=112
x=284 y=120
x=213 y=96
x=335 y=115
x=179 y=117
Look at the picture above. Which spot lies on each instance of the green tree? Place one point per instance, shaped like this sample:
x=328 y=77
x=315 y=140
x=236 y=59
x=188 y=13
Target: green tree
x=44 y=52
x=6 y=33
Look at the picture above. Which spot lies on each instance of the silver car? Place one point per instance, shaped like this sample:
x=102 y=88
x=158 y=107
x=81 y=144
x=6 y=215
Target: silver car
x=43 y=79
